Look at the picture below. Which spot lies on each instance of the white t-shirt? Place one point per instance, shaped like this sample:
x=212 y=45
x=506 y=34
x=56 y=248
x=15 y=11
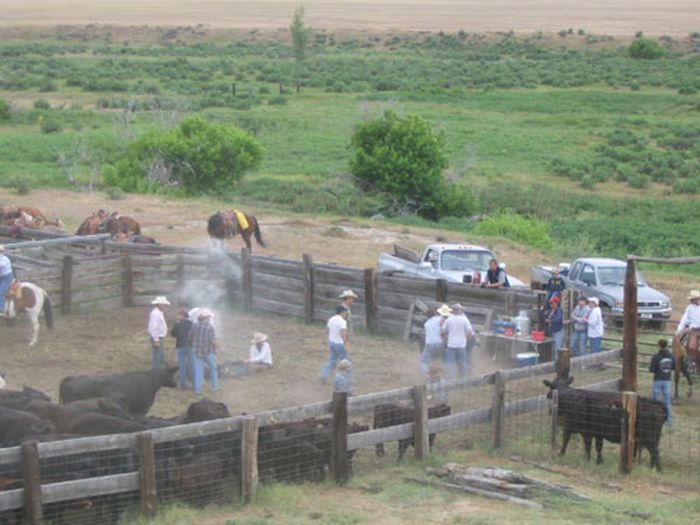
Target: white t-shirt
x=336 y=325
x=262 y=355
x=433 y=330
x=595 y=323
x=457 y=328
x=157 y=328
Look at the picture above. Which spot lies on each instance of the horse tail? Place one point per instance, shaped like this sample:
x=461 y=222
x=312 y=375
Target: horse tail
x=48 y=310
x=258 y=235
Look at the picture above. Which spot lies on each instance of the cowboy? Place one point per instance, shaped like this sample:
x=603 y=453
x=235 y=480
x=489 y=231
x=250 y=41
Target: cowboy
x=577 y=345
x=260 y=352
x=690 y=322
x=555 y=323
x=343 y=377
x=338 y=340
x=459 y=332
x=496 y=276
x=662 y=364
x=6 y=278
x=555 y=286
x=183 y=346
x=205 y=346
x=348 y=297
x=434 y=348
x=158 y=329
x=595 y=325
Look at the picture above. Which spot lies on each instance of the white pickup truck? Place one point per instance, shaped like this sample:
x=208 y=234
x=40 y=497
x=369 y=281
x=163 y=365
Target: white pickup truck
x=452 y=262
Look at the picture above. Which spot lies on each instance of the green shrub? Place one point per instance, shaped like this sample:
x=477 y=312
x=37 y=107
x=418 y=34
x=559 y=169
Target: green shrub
x=22 y=186
x=646 y=48
x=115 y=194
x=524 y=230
x=4 y=109
x=42 y=104
x=687 y=90
x=277 y=101
x=50 y=126
x=639 y=181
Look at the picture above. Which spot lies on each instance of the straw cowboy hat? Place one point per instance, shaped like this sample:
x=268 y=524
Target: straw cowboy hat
x=444 y=310
x=694 y=294
x=593 y=300
x=161 y=299
x=344 y=364
x=348 y=293
x=258 y=338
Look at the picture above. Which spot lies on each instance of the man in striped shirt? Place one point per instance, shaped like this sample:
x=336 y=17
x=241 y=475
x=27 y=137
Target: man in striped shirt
x=205 y=346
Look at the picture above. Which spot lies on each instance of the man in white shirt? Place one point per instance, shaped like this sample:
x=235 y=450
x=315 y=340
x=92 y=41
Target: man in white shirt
x=691 y=321
x=459 y=331
x=337 y=330
x=434 y=346
x=6 y=278
x=260 y=352
x=157 y=330
x=595 y=326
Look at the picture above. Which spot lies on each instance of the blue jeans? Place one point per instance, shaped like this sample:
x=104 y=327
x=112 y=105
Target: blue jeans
x=578 y=343
x=336 y=353
x=596 y=344
x=663 y=389
x=158 y=353
x=209 y=359
x=558 y=340
x=5 y=283
x=457 y=362
x=185 y=360
x=432 y=352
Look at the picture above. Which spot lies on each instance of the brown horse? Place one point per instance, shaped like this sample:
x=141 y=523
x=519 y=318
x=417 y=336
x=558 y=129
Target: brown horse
x=686 y=362
x=32 y=300
x=92 y=224
x=116 y=224
x=226 y=224
x=27 y=217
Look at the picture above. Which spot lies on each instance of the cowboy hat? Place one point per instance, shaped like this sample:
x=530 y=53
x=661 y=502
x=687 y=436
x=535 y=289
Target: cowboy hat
x=444 y=310
x=161 y=299
x=593 y=300
x=258 y=338
x=205 y=313
x=348 y=293
x=694 y=294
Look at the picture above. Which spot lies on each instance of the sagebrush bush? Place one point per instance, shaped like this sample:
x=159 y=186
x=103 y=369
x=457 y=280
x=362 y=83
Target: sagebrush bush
x=51 y=126
x=42 y=104
x=646 y=48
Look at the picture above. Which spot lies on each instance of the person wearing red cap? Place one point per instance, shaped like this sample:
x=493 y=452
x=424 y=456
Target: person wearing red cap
x=555 y=324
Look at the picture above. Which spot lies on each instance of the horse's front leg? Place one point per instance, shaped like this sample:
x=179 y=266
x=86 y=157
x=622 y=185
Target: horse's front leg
x=34 y=318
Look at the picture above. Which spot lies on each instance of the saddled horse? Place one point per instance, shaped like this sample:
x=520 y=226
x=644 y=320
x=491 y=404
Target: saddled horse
x=32 y=300
x=687 y=362
x=116 y=224
x=226 y=224
x=27 y=217
x=92 y=223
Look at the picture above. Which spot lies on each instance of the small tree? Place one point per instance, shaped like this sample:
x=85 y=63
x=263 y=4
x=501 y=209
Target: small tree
x=403 y=159
x=646 y=48
x=4 y=109
x=300 y=33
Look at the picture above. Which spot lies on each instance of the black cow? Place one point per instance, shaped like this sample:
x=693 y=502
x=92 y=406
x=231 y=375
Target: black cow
x=99 y=405
x=68 y=421
x=17 y=426
x=599 y=415
x=389 y=415
x=18 y=399
x=135 y=392
x=205 y=410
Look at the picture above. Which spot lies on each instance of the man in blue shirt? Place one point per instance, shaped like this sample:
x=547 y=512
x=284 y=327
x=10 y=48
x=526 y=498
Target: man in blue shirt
x=6 y=278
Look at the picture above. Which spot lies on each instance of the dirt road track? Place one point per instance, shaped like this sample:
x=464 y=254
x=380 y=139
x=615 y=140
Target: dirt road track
x=619 y=17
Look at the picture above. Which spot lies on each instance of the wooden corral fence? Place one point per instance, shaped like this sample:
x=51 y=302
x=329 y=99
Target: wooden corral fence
x=137 y=471
x=96 y=273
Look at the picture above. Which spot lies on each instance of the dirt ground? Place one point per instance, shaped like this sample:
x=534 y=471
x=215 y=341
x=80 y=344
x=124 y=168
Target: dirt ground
x=622 y=17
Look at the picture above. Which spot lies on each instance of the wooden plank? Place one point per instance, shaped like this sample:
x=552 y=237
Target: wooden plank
x=279 y=296
x=498 y=409
x=88 y=280
x=10 y=455
x=86 y=445
x=629 y=427
x=66 y=284
x=308 y=288
x=370 y=285
x=404 y=285
x=98 y=293
x=47 y=241
x=525 y=406
x=281 y=267
x=193 y=430
x=279 y=283
x=340 y=466
x=148 y=488
x=380 y=435
x=11 y=499
x=247 y=279
x=367 y=402
x=249 y=459
x=629 y=360
x=294 y=413
x=421 y=447
x=90 y=487
x=441 y=290
x=276 y=307
x=339 y=276
x=459 y=421
x=31 y=474
x=463 y=383
x=128 y=282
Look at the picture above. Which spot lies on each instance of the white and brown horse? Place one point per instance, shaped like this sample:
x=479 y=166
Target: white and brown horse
x=687 y=361
x=32 y=300
x=226 y=224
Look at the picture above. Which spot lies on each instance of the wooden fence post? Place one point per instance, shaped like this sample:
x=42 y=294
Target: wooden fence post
x=247 y=279
x=421 y=445
x=629 y=431
x=563 y=364
x=510 y=299
x=441 y=290
x=249 y=459
x=339 y=457
x=308 y=288
x=67 y=285
x=554 y=411
x=180 y=277
x=498 y=409
x=128 y=281
x=371 y=300
x=147 y=474
x=629 y=360
x=31 y=473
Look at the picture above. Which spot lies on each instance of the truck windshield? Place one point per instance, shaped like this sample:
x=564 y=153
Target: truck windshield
x=462 y=260
x=615 y=276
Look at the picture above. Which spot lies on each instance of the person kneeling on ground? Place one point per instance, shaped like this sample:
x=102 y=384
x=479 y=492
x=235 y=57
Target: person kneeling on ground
x=260 y=352
x=343 y=377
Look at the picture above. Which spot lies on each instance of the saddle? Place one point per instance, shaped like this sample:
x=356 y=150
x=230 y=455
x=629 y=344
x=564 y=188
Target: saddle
x=236 y=217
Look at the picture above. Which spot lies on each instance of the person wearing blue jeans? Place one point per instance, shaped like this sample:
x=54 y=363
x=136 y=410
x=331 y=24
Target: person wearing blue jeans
x=577 y=345
x=458 y=330
x=183 y=346
x=555 y=323
x=157 y=330
x=662 y=364
x=337 y=330
x=6 y=278
x=205 y=346
x=434 y=347
x=595 y=325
